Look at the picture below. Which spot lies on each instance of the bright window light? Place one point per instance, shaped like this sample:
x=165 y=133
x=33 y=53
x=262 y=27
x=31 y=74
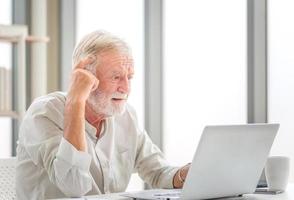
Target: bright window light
x=205 y=76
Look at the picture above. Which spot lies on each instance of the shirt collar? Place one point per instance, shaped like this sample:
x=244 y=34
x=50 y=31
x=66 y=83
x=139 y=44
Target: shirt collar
x=91 y=130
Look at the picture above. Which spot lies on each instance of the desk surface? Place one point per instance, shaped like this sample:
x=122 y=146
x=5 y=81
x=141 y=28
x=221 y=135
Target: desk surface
x=288 y=195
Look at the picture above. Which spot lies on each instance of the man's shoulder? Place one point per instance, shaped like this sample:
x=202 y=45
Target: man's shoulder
x=47 y=103
x=54 y=98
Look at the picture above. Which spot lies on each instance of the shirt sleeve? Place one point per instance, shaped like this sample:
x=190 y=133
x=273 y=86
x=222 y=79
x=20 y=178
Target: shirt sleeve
x=67 y=167
x=152 y=166
x=71 y=169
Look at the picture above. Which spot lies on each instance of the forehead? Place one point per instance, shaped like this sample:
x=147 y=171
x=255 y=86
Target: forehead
x=114 y=60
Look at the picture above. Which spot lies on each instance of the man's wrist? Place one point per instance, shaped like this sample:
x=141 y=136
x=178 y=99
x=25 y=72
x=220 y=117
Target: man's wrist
x=180 y=177
x=75 y=100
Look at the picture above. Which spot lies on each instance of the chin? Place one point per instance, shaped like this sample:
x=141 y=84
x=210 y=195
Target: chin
x=115 y=110
x=120 y=111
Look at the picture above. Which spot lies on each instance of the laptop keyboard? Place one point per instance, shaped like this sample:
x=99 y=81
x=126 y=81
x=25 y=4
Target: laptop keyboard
x=171 y=195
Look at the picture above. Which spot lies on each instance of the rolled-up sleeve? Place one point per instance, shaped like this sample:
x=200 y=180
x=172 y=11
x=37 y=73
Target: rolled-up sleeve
x=72 y=170
x=67 y=168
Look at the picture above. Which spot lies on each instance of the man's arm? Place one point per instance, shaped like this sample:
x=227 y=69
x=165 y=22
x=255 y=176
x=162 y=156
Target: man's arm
x=153 y=168
x=151 y=164
x=43 y=147
x=82 y=83
x=74 y=125
x=70 y=171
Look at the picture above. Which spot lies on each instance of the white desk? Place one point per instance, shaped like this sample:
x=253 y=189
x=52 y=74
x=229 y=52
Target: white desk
x=288 y=195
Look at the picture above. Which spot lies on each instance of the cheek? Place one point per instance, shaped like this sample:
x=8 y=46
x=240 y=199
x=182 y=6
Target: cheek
x=107 y=88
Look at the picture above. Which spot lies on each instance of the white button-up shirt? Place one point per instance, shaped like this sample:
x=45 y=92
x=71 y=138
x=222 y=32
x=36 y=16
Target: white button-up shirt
x=50 y=167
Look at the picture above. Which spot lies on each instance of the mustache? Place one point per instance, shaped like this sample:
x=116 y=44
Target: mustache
x=118 y=95
x=115 y=95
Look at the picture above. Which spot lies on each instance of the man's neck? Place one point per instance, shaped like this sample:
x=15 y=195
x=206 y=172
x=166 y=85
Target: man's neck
x=94 y=119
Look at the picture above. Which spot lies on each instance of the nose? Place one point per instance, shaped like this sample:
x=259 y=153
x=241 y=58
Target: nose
x=124 y=85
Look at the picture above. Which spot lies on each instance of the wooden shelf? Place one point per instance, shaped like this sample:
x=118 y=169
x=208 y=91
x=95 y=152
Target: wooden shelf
x=8 y=113
x=18 y=34
x=29 y=38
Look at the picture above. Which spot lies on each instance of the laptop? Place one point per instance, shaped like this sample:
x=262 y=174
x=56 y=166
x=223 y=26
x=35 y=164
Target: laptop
x=228 y=162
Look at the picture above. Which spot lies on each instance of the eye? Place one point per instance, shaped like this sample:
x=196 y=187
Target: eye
x=130 y=77
x=116 y=78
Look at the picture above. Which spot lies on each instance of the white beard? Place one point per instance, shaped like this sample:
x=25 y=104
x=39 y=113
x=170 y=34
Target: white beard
x=101 y=103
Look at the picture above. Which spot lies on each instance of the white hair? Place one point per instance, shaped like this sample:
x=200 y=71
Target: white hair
x=97 y=42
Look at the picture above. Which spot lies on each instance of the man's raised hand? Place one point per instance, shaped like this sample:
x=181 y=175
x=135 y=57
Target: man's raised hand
x=82 y=81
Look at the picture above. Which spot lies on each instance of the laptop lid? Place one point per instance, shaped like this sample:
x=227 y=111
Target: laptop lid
x=229 y=160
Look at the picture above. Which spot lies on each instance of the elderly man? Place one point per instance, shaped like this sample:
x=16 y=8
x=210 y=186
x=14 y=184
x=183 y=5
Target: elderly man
x=87 y=141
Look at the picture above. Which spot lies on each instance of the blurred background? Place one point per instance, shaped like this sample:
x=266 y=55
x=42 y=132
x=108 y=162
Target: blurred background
x=197 y=63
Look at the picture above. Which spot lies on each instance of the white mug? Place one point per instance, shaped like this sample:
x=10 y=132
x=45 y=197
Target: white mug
x=277 y=171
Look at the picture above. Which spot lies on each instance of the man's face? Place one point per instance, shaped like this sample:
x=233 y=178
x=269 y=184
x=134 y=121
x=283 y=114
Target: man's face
x=114 y=73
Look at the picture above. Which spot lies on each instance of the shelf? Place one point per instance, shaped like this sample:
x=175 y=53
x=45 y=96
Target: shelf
x=29 y=38
x=8 y=113
x=17 y=34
